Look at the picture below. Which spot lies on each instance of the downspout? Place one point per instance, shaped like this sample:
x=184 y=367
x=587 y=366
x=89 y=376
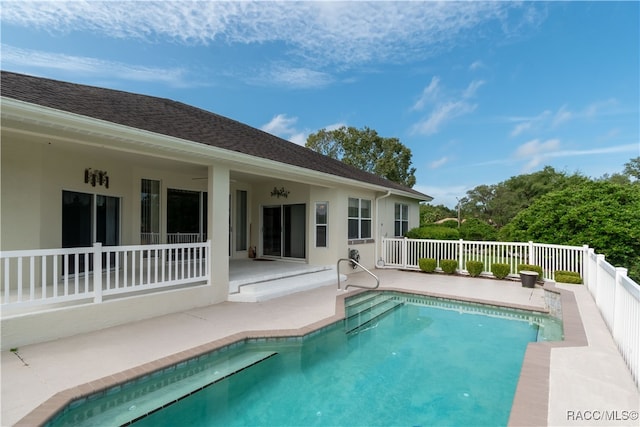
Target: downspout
x=378 y=227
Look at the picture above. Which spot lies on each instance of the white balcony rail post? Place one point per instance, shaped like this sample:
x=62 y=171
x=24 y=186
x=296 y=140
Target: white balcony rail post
x=532 y=254
x=617 y=303
x=404 y=252
x=585 y=264
x=460 y=255
x=593 y=272
x=600 y=275
x=97 y=272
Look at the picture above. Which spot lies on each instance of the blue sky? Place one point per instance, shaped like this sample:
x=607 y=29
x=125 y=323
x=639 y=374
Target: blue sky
x=479 y=91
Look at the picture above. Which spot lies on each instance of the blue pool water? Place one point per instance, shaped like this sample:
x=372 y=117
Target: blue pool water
x=423 y=363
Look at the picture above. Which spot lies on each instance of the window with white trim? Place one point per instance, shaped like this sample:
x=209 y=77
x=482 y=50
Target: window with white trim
x=322 y=221
x=401 y=220
x=359 y=218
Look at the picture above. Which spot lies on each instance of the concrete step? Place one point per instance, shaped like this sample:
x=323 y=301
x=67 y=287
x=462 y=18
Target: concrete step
x=279 y=287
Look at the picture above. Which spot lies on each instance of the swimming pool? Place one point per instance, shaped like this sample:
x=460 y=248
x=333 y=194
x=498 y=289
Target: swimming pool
x=396 y=359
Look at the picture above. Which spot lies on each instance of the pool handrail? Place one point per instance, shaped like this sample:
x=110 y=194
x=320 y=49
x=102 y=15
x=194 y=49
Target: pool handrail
x=354 y=262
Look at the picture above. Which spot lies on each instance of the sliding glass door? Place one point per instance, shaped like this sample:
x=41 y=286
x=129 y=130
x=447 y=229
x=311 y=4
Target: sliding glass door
x=284 y=231
x=89 y=218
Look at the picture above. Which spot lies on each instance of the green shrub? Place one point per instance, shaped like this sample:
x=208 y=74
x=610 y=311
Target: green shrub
x=475 y=268
x=428 y=265
x=567 y=272
x=452 y=223
x=500 y=270
x=568 y=278
x=531 y=267
x=435 y=232
x=564 y=276
x=448 y=265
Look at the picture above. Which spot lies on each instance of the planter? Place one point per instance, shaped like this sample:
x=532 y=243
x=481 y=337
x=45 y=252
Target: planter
x=528 y=278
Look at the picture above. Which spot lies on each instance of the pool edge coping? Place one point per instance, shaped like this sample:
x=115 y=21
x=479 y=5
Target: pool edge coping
x=532 y=391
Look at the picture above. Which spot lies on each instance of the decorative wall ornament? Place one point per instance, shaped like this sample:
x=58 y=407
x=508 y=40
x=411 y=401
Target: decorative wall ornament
x=94 y=177
x=280 y=192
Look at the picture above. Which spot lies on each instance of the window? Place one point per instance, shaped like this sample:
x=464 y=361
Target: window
x=321 y=224
x=401 y=220
x=359 y=218
x=186 y=216
x=149 y=211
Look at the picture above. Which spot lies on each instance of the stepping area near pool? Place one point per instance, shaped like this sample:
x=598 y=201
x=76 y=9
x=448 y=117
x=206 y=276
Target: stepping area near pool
x=559 y=381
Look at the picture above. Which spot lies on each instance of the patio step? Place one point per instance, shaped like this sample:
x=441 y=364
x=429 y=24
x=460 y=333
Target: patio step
x=163 y=389
x=368 y=309
x=269 y=289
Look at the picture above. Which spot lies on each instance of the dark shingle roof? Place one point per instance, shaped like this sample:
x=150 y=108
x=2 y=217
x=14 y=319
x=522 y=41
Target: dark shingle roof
x=176 y=119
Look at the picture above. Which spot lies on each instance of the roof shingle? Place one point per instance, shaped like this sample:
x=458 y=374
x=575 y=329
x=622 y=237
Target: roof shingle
x=176 y=119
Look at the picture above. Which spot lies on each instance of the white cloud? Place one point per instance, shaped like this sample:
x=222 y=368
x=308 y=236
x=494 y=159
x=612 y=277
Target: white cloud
x=429 y=94
x=599 y=107
x=292 y=77
x=447 y=105
x=284 y=127
x=537 y=148
x=472 y=88
x=563 y=115
x=442 y=114
x=437 y=163
x=329 y=33
x=535 y=151
x=476 y=65
x=625 y=148
x=24 y=59
x=549 y=120
x=335 y=126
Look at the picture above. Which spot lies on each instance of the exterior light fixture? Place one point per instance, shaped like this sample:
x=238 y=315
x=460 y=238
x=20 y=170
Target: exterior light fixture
x=94 y=177
x=279 y=192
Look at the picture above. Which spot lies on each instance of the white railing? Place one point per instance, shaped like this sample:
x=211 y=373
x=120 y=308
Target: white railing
x=184 y=237
x=405 y=253
x=154 y=238
x=41 y=277
x=618 y=298
x=615 y=294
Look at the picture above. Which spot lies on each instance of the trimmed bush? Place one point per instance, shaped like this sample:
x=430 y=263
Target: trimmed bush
x=428 y=265
x=531 y=267
x=435 y=232
x=500 y=270
x=448 y=265
x=564 y=276
x=568 y=278
x=475 y=268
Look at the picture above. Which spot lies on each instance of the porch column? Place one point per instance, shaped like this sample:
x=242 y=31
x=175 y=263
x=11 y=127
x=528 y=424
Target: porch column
x=218 y=230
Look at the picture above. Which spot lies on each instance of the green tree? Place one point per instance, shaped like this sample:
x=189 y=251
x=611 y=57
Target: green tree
x=601 y=214
x=632 y=169
x=430 y=213
x=498 y=204
x=366 y=150
x=476 y=229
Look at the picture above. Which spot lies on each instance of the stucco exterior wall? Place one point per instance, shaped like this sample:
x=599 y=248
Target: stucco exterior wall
x=52 y=324
x=20 y=188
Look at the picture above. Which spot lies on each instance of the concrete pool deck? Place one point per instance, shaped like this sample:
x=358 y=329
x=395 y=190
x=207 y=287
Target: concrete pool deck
x=583 y=378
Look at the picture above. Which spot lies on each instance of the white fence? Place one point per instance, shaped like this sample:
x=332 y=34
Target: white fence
x=41 y=277
x=405 y=253
x=618 y=298
x=615 y=294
